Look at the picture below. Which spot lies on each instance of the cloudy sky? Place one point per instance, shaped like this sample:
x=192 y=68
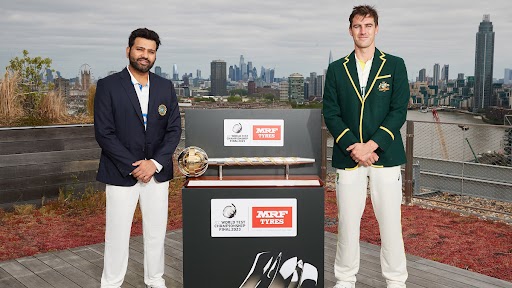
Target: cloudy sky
x=292 y=36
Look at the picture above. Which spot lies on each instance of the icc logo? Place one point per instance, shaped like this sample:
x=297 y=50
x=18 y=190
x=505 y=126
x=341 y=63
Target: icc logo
x=229 y=211
x=237 y=128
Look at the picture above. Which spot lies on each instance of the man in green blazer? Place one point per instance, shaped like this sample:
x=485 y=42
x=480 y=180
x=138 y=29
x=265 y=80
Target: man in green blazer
x=365 y=105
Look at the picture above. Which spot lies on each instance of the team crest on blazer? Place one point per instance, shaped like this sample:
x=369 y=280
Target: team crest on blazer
x=162 y=110
x=383 y=86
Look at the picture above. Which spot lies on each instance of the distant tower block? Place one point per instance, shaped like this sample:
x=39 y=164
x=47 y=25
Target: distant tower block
x=85 y=76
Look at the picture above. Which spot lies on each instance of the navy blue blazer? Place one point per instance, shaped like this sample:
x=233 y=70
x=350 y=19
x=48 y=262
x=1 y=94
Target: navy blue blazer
x=119 y=127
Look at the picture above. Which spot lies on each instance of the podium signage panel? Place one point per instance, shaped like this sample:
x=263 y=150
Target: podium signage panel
x=259 y=261
x=254 y=132
x=254 y=217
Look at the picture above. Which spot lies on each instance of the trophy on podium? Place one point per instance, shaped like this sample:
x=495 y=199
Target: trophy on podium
x=193 y=162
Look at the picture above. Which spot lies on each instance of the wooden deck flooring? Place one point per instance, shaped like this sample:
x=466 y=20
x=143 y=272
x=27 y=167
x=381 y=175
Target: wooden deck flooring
x=82 y=267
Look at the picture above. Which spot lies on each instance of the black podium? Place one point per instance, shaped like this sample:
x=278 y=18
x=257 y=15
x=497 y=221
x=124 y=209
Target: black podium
x=253 y=229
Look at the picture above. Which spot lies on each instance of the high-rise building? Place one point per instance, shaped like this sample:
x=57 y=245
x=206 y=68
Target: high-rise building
x=484 y=61
x=243 y=68
x=249 y=71
x=237 y=73
x=330 y=57
x=312 y=84
x=158 y=70
x=423 y=75
x=460 y=76
x=175 y=74
x=198 y=74
x=265 y=74
x=231 y=73
x=507 y=79
x=218 y=78
x=445 y=73
x=296 y=87
x=320 y=85
x=249 y=67
x=283 y=91
x=251 y=87
x=85 y=79
x=49 y=76
x=62 y=86
x=254 y=72
x=435 y=77
x=471 y=82
x=272 y=75
x=185 y=79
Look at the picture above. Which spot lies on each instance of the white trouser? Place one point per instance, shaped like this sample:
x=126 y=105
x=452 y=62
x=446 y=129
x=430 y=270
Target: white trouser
x=121 y=204
x=386 y=195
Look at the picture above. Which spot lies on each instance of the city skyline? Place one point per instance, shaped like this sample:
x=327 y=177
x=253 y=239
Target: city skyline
x=288 y=36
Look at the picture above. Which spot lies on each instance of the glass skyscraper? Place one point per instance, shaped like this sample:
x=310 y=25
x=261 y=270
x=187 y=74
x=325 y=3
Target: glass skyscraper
x=218 y=78
x=435 y=79
x=484 y=59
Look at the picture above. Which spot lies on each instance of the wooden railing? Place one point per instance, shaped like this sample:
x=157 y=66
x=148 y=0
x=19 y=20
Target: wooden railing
x=38 y=162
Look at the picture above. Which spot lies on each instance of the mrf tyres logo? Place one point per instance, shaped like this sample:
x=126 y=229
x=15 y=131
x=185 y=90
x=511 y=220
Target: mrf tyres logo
x=272 y=217
x=266 y=132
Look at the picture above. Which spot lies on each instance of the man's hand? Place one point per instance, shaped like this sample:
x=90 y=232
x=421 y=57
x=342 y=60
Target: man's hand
x=371 y=158
x=144 y=171
x=362 y=152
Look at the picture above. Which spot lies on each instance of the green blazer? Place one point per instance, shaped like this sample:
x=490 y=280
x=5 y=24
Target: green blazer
x=377 y=115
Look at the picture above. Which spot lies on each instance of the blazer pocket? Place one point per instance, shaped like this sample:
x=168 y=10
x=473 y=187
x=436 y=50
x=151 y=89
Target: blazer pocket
x=384 y=76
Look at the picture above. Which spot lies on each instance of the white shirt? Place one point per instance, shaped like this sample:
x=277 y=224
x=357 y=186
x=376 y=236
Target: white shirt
x=363 y=74
x=143 y=95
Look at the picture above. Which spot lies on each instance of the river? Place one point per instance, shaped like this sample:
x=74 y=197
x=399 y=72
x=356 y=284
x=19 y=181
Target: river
x=444 y=116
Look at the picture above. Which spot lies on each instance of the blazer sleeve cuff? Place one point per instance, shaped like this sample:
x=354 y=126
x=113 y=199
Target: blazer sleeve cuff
x=383 y=137
x=158 y=165
x=345 y=139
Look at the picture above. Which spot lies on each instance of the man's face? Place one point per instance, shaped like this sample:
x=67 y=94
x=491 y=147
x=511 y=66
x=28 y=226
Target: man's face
x=363 y=31
x=142 y=54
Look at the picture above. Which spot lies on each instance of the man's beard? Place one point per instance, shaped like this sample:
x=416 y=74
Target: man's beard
x=140 y=68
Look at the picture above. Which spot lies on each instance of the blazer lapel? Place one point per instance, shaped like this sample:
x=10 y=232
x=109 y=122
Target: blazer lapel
x=351 y=69
x=153 y=92
x=126 y=81
x=379 y=59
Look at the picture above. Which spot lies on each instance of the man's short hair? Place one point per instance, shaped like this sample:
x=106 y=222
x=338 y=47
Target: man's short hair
x=365 y=11
x=143 y=33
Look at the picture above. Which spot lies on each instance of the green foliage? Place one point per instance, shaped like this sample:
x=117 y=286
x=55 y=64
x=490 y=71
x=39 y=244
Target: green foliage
x=232 y=99
x=30 y=71
x=204 y=99
x=31 y=120
x=269 y=97
x=240 y=92
x=308 y=105
x=90 y=100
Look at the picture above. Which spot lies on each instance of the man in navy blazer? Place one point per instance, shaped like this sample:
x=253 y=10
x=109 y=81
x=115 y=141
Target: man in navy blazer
x=138 y=126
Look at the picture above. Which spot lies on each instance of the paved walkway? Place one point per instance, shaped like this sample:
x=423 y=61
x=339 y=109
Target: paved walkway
x=82 y=266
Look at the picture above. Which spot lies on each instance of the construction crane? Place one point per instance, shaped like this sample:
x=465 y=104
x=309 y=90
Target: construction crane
x=444 y=150
x=466 y=128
